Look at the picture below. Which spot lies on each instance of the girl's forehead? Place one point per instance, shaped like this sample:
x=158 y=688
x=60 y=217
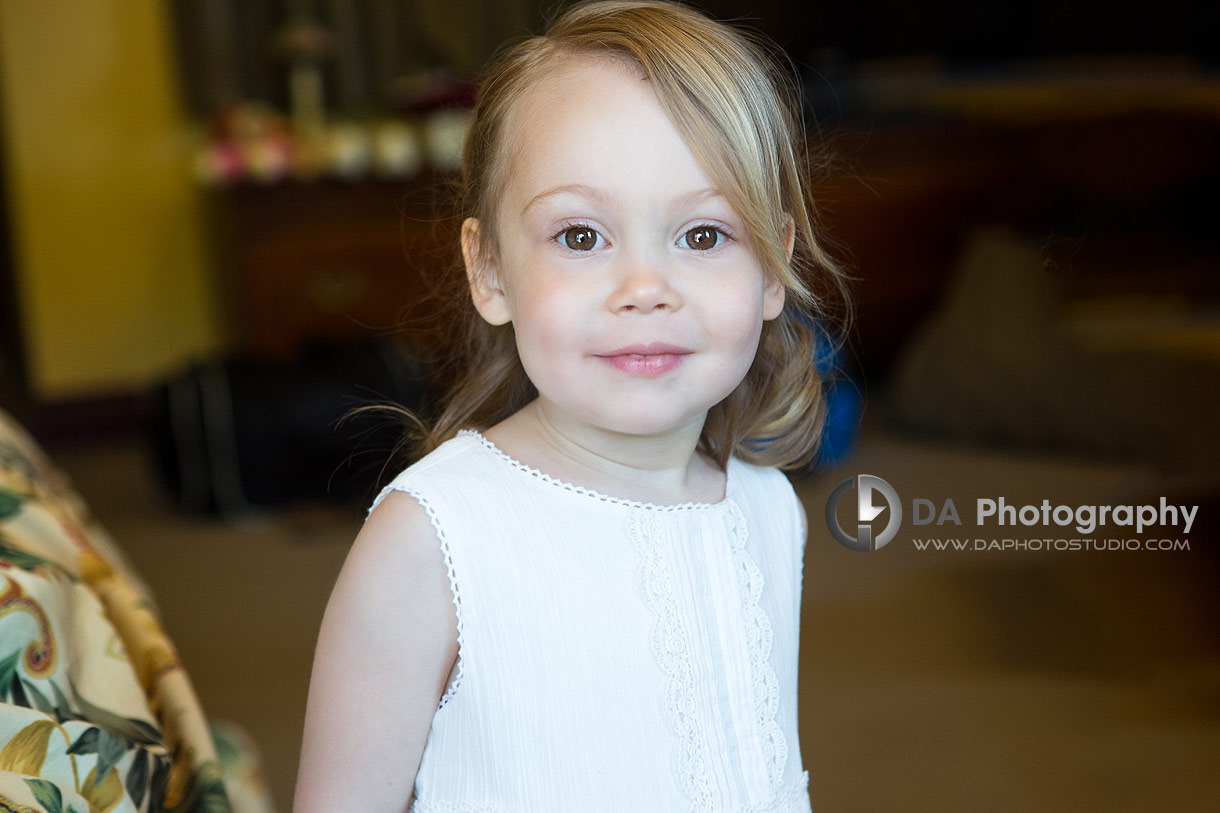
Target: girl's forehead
x=576 y=66
x=576 y=79
x=583 y=114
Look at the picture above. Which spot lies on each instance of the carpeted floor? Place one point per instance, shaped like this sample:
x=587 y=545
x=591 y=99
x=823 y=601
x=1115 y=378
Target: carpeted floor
x=954 y=680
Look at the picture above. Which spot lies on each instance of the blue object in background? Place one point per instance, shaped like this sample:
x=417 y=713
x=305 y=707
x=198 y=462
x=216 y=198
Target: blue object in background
x=844 y=403
x=843 y=407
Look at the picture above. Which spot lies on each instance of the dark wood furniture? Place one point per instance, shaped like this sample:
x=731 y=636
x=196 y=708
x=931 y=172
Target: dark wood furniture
x=329 y=261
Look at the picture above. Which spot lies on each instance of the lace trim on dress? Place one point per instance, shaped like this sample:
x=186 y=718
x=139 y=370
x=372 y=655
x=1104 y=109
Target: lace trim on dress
x=759 y=637
x=459 y=667
x=588 y=492
x=783 y=801
x=450 y=807
x=669 y=643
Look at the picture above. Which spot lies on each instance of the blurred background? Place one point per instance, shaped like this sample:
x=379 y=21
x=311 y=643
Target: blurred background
x=218 y=226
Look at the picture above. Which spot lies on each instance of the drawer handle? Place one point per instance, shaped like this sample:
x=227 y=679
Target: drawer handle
x=337 y=290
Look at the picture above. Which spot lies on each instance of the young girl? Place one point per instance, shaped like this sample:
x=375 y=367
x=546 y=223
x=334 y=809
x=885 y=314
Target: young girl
x=586 y=596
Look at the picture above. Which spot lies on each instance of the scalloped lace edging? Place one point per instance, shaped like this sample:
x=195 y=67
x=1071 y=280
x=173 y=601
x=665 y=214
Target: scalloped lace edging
x=451 y=807
x=459 y=668
x=759 y=637
x=781 y=803
x=669 y=642
x=588 y=492
x=784 y=799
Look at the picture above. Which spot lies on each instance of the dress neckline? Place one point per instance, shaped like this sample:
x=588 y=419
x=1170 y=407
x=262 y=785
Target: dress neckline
x=542 y=476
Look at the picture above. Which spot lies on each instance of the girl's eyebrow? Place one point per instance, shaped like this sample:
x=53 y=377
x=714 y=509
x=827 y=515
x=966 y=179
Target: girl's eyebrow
x=689 y=199
x=697 y=196
x=572 y=188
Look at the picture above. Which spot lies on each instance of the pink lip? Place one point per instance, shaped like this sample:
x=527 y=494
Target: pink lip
x=646 y=360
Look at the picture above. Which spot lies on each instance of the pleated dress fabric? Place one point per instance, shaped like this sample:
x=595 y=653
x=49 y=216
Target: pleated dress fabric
x=613 y=655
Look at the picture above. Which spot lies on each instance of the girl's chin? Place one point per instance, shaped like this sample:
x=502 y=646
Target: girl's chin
x=626 y=415
x=654 y=424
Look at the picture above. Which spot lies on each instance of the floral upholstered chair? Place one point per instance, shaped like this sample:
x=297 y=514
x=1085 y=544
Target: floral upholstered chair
x=96 y=712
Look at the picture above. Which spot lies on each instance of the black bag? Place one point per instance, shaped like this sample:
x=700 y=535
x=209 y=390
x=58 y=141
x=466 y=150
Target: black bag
x=235 y=435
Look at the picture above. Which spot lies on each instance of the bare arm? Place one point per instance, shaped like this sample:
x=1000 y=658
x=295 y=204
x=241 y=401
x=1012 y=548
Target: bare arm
x=387 y=645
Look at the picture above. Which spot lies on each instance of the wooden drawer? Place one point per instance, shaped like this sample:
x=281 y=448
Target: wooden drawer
x=328 y=262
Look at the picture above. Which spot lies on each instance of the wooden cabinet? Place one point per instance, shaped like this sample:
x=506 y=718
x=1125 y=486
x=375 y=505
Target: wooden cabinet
x=330 y=261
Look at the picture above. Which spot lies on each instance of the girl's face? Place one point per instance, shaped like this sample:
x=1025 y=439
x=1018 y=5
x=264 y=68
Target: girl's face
x=636 y=301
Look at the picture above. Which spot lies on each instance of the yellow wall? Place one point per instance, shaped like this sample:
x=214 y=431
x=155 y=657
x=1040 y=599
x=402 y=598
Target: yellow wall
x=112 y=267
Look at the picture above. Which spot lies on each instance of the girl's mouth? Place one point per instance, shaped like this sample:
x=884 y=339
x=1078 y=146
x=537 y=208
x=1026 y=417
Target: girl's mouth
x=646 y=361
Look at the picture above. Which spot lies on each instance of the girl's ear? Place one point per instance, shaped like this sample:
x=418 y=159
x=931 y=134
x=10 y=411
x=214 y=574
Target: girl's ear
x=773 y=291
x=773 y=299
x=483 y=275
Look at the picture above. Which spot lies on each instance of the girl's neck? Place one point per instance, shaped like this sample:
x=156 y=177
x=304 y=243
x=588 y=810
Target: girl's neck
x=665 y=469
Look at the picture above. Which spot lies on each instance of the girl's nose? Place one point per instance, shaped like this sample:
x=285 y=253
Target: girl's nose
x=644 y=287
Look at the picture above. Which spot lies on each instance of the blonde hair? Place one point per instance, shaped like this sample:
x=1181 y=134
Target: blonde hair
x=739 y=116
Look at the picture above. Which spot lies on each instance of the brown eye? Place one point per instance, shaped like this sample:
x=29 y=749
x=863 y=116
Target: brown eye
x=580 y=238
x=702 y=238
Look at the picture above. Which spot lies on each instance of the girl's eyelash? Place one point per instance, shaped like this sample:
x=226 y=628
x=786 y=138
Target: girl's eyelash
x=567 y=227
x=714 y=227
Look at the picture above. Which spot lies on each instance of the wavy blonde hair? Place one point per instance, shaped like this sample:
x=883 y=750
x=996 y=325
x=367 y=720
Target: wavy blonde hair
x=739 y=115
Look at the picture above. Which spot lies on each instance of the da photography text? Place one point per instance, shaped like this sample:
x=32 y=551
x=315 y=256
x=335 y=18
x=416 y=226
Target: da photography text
x=874 y=496
x=1084 y=518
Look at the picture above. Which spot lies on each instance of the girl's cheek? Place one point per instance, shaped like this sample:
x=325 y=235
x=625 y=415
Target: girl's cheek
x=542 y=317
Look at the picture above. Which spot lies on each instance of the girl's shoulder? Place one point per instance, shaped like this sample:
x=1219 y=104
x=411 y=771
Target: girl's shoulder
x=755 y=482
x=768 y=498
x=457 y=457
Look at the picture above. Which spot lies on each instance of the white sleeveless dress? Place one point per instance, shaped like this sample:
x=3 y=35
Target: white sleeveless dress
x=613 y=655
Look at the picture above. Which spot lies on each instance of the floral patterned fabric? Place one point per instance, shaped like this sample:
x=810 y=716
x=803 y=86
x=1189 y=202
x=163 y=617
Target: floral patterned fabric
x=96 y=712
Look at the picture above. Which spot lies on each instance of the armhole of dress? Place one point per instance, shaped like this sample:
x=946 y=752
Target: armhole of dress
x=800 y=519
x=455 y=678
